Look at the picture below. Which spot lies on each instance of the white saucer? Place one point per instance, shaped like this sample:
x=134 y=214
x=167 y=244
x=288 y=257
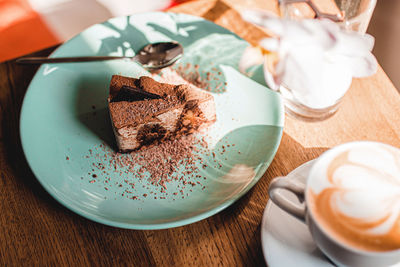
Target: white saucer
x=285 y=240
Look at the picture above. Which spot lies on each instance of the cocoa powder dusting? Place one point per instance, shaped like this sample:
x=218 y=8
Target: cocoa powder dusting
x=163 y=160
x=171 y=160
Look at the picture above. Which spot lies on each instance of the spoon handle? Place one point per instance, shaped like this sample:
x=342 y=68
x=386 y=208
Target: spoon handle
x=40 y=60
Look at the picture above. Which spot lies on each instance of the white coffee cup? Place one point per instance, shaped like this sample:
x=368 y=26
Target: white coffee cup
x=351 y=203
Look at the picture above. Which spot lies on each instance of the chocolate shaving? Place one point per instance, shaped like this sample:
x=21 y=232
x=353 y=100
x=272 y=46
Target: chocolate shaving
x=131 y=94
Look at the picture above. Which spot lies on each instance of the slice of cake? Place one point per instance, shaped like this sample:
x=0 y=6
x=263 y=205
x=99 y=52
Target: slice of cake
x=144 y=111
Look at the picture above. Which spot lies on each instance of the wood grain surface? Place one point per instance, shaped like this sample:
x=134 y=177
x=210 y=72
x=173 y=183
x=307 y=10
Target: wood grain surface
x=36 y=230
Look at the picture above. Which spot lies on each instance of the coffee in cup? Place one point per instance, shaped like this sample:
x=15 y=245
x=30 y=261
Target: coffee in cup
x=351 y=203
x=354 y=195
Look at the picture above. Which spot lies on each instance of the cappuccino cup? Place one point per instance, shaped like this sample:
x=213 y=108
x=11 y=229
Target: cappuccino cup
x=350 y=202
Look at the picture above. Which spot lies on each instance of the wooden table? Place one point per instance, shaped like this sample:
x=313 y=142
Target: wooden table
x=35 y=229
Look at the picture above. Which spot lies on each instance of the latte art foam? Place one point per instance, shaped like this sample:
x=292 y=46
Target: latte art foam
x=355 y=195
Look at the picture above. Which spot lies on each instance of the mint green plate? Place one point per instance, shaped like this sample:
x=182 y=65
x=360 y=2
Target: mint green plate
x=64 y=116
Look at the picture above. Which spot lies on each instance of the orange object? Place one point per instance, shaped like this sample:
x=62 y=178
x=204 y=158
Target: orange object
x=176 y=2
x=22 y=30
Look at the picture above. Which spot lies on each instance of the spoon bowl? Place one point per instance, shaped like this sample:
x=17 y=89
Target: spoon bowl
x=160 y=55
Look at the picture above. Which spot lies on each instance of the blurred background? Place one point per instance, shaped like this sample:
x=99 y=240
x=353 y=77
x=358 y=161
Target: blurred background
x=385 y=27
x=27 y=26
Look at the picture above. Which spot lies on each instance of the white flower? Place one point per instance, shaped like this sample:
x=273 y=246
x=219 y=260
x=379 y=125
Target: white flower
x=317 y=59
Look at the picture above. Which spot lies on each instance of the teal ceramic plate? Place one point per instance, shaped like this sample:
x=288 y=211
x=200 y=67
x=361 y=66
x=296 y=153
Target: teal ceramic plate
x=65 y=127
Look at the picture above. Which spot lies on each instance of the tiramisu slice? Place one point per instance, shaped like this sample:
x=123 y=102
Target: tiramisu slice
x=144 y=111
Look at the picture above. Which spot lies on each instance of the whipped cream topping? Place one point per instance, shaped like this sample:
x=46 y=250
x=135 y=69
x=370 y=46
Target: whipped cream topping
x=355 y=194
x=317 y=59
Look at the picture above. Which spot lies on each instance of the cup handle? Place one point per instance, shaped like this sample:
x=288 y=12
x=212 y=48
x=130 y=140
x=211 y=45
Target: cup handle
x=294 y=209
